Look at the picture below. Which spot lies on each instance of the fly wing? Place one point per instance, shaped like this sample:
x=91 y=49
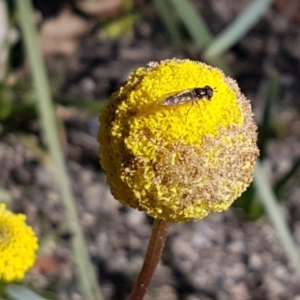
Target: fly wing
x=176 y=98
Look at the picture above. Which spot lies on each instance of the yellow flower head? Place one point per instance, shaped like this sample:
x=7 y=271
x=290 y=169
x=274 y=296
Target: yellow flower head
x=178 y=162
x=18 y=245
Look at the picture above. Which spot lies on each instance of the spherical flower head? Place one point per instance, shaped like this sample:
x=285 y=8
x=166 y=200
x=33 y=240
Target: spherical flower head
x=18 y=245
x=178 y=162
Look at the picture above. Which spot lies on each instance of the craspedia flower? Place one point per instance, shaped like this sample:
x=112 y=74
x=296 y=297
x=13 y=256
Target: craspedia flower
x=177 y=162
x=18 y=245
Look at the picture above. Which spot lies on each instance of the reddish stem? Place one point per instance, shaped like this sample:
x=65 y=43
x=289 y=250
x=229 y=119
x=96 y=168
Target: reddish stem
x=154 y=251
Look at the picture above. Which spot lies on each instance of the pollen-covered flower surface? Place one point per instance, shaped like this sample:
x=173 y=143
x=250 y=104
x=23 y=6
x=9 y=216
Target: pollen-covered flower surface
x=177 y=162
x=18 y=245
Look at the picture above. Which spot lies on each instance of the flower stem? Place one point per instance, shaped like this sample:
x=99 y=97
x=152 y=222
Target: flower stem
x=154 y=251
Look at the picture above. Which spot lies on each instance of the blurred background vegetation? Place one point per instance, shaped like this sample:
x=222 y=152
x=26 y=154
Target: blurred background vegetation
x=56 y=74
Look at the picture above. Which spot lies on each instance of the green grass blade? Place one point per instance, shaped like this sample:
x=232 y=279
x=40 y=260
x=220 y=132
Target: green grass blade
x=195 y=25
x=238 y=28
x=167 y=18
x=87 y=277
x=4 y=43
x=198 y=30
x=273 y=87
x=18 y=292
x=276 y=216
x=281 y=182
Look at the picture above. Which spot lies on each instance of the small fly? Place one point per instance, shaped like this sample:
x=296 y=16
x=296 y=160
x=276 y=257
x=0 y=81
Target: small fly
x=185 y=96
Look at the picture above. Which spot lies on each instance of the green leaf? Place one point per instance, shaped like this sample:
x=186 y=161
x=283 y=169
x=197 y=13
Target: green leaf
x=250 y=203
x=115 y=28
x=5 y=102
